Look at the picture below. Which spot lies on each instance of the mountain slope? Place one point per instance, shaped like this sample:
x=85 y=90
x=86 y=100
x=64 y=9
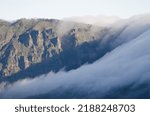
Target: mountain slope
x=25 y=43
x=117 y=75
x=28 y=45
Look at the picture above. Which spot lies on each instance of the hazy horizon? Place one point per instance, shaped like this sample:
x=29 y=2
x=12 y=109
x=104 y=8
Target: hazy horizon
x=80 y=19
x=55 y=9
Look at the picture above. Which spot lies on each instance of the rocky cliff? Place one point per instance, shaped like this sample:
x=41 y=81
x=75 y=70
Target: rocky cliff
x=40 y=46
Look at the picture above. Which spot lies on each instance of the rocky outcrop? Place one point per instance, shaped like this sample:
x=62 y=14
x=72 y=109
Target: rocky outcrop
x=25 y=43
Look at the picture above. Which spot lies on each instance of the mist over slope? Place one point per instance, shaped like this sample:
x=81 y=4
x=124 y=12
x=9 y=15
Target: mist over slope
x=99 y=20
x=123 y=72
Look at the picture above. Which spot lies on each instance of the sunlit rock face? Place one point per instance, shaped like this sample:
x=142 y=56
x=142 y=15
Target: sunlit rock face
x=26 y=43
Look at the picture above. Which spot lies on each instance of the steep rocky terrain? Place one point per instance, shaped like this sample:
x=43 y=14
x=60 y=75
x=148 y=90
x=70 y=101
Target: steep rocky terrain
x=34 y=47
x=29 y=48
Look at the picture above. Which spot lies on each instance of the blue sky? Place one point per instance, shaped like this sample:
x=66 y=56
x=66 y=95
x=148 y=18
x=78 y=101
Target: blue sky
x=14 y=9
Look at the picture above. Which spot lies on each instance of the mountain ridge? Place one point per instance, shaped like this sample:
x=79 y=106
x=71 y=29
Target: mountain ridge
x=28 y=45
x=28 y=42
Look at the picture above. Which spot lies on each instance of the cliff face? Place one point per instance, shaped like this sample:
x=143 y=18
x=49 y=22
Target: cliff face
x=25 y=43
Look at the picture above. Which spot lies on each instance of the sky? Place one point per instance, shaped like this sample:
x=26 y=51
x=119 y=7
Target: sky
x=58 y=9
